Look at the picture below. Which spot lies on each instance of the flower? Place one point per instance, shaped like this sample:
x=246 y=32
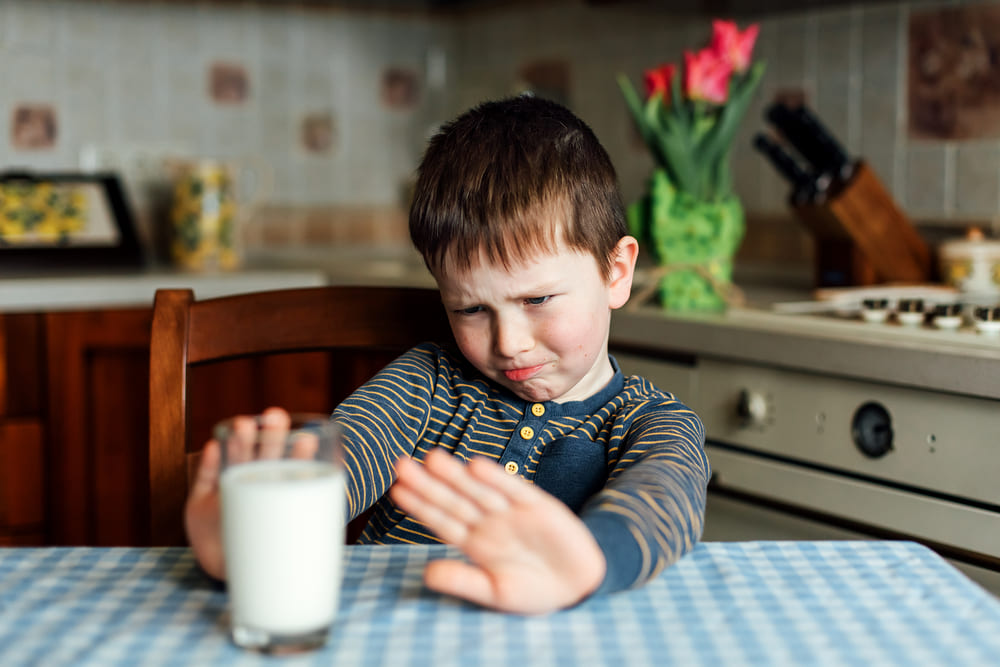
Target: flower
x=689 y=121
x=706 y=76
x=659 y=80
x=735 y=47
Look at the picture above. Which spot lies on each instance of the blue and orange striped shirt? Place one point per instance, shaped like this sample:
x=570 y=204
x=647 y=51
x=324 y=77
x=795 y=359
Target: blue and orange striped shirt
x=629 y=460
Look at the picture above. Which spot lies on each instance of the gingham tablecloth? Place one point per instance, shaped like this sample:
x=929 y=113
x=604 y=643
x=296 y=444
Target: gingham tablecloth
x=773 y=603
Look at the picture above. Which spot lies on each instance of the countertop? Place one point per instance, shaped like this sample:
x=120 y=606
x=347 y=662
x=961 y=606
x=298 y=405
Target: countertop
x=136 y=288
x=963 y=361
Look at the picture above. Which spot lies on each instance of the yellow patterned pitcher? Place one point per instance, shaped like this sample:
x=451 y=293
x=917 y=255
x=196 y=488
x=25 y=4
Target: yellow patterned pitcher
x=208 y=209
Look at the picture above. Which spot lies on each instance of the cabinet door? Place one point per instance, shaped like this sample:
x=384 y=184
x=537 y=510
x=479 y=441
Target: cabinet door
x=22 y=483
x=98 y=384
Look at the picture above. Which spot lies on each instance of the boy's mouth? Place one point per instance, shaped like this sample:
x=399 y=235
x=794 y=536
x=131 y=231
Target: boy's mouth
x=522 y=374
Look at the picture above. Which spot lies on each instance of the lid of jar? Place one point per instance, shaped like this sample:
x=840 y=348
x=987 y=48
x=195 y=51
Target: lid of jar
x=975 y=244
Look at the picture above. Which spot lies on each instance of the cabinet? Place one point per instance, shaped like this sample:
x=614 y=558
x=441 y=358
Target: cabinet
x=74 y=418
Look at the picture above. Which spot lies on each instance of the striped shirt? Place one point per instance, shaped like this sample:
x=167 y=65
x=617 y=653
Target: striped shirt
x=629 y=460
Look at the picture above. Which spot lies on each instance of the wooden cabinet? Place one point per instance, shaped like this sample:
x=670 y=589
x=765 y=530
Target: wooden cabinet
x=74 y=418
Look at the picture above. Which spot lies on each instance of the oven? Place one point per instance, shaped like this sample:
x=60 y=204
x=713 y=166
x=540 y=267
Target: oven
x=832 y=428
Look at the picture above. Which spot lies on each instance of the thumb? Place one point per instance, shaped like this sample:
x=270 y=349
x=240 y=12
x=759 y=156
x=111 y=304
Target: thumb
x=206 y=480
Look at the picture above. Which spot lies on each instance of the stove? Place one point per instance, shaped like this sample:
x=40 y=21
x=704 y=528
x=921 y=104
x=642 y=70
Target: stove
x=823 y=414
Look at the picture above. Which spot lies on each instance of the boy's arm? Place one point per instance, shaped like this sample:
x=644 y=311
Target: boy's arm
x=383 y=421
x=528 y=553
x=652 y=510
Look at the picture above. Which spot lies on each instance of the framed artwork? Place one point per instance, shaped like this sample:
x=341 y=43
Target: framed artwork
x=65 y=221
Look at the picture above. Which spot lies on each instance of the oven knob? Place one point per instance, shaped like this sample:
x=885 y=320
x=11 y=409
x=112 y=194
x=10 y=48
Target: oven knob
x=871 y=430
x=752 y=407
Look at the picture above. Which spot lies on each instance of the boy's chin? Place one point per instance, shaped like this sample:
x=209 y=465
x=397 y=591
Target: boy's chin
x=533 y=393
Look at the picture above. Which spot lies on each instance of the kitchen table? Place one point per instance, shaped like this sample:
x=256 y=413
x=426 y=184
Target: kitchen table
x=797 y=603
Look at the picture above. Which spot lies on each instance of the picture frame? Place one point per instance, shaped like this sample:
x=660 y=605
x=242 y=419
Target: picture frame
x=65 y=221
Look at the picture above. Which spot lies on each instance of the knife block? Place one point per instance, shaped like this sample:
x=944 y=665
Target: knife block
x=862 y=237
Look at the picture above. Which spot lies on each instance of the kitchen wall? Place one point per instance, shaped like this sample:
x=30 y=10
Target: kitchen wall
x=127 y=77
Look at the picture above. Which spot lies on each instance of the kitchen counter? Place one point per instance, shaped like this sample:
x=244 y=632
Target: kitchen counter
x=116 y=290
x=962 y=362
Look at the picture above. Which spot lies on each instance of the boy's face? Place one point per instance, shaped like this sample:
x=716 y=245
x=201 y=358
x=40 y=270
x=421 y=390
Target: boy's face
x=540 y=328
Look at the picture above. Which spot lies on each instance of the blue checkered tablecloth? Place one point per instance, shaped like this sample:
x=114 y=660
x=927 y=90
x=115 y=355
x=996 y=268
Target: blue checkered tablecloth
x=770 y=603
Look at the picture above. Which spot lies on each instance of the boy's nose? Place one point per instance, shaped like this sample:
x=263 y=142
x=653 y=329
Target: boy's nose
x=511 y=337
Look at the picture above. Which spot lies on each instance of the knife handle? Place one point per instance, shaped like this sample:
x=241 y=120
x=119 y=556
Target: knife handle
x=826 y=145
x=804 y=186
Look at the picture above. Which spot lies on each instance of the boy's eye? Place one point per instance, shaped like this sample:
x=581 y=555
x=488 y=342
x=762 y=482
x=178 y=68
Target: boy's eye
x=537 y=300
x=471 y=310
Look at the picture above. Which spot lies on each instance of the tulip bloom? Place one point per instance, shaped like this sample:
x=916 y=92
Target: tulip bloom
x=659 y=80
x=732 y=45
x=706 y=76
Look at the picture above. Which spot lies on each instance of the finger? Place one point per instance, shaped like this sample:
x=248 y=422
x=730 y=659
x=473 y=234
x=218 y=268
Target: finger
x=462 y=580
x=511 y=488
x=206 y=479
x=239 y=440
x=450 y=470
x=437 y=492
x=274 y=424
x=448 y=528
x=304 y=445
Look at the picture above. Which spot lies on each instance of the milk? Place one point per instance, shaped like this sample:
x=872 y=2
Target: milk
x=283 y=534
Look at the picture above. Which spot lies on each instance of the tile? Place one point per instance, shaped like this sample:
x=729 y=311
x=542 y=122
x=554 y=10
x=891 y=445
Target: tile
x=832 y=107
x=835 y=45
x=977 y=180
x=878 y=113
x=31 y=26
x=880 y=45
x=925 y=180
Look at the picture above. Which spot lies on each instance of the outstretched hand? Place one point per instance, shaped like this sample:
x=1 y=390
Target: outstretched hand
x=529 y=553
x=202 y=521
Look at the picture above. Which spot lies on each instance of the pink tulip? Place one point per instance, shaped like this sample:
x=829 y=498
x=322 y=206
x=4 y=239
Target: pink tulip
x=706 y=76
x=732 y=45
x=659 y=80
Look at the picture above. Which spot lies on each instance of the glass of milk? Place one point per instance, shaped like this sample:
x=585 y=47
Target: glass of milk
x=283 y=521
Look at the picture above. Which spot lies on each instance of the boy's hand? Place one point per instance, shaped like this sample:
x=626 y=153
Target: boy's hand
x=202 y=520
x=530 y=554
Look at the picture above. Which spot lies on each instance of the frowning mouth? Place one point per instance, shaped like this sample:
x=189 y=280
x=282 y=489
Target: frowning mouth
x=522 y=374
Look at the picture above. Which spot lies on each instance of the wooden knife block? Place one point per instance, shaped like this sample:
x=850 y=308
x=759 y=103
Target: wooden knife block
x=863 y=238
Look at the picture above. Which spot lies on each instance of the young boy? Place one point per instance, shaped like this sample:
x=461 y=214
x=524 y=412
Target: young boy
x=555 y=475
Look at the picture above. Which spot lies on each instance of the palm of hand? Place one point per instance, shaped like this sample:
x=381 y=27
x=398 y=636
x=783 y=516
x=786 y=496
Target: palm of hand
x=528 y=553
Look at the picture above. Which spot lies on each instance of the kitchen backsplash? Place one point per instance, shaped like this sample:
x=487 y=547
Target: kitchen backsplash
x=340 y=102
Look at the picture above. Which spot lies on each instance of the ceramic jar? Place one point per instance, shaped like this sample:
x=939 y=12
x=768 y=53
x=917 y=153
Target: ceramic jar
x=972 y=264
x=207 y=210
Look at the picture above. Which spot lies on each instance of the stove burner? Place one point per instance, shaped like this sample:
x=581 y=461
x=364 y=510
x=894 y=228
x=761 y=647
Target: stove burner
x=948 y=315
x=910 y=312
x=875 y=310
x=987 y=320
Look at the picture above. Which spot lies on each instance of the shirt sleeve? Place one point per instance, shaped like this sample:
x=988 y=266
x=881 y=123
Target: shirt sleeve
x=652 y=510
x=382 y=422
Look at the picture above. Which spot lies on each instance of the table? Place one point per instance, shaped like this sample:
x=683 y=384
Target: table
x=796 y=603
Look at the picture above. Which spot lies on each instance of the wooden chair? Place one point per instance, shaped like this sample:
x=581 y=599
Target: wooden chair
x=187 y=333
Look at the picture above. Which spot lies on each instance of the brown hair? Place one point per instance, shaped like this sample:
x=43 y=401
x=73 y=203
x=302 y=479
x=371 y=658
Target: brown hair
x=510 y=178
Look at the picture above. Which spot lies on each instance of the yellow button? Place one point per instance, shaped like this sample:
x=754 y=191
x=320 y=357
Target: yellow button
x=538 y=409
x=511 y=468
x=527 y=432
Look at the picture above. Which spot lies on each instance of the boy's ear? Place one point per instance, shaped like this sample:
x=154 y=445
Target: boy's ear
x=622 y=271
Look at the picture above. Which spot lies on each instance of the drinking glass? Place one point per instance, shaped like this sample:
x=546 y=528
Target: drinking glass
x=283 y=522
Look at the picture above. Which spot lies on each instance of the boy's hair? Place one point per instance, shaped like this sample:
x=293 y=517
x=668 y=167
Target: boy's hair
x=511 y=178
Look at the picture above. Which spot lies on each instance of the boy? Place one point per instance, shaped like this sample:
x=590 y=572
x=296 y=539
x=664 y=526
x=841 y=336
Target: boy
x=601 y=478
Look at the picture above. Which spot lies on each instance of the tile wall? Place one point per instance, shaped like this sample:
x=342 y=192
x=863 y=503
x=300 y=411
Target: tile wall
x=134 y=73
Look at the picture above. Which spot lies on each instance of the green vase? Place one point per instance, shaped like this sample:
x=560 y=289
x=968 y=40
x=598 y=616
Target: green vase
x=693 y=242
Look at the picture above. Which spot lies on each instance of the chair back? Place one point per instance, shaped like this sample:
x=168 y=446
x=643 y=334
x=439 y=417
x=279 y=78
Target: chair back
x=187 y=333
